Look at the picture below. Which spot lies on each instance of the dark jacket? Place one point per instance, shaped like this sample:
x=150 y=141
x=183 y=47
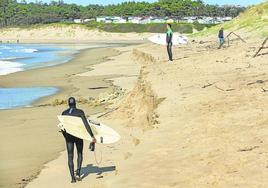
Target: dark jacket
x=78 y=113
x=221 y=34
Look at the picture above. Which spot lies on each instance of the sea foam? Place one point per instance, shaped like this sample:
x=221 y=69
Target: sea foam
x=7 y=67
x=25 y=50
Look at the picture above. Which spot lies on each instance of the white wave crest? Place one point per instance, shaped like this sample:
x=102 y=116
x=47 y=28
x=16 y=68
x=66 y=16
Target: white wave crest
x=8 y=58
x=5 y=48
x=25 y=50
x=7 y=67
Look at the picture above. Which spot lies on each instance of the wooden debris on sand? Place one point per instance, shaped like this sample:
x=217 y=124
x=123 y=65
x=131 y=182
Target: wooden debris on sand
x=261 y=48
x=233 y=33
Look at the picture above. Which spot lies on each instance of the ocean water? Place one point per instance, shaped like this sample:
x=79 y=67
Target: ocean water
x=21 y=57
x=21 y=97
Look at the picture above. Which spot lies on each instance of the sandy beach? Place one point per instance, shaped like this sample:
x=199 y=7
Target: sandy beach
x=29 y=141
x=197 y=122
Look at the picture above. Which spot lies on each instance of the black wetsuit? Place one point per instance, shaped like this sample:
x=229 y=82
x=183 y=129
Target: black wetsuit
x=169 y=44
x=71 y=140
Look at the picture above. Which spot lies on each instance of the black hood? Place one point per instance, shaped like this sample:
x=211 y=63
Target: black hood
x=72 y=102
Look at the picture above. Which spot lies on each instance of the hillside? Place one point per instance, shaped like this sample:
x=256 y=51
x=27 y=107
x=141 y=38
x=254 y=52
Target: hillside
x=253 y=22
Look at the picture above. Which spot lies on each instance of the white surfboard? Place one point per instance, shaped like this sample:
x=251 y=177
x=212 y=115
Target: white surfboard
x=161 y=39
x=75 y=126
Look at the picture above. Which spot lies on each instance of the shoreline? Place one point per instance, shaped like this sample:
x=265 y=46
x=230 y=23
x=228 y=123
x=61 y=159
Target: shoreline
x=123 y=72
x=71 y=41
x=61 y=89
x=68 y=84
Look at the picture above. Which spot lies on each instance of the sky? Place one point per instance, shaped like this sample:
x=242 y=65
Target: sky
x=105 y=2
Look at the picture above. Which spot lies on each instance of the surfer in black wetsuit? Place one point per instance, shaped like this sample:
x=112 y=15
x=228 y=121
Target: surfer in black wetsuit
x=71 y=140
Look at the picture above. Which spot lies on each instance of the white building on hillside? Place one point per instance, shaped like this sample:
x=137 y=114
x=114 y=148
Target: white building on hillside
x=227 y=19
x=146 y=20
x=111 y=19
x=158 y=20
x=204 y=20
x=78 y=21
x=135 y=20
x=101 y=19
x=88 y=20
x=119 y=20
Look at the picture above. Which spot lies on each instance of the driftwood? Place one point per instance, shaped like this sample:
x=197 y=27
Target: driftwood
x=257 y=82
x=235 y=35
x=110 y=111
x=248 y=148
x=230 y=89
x=264 y=90
x=219 y=88
x=203 y=42
x=262 y=47
x=95 y=88
x=208 y=85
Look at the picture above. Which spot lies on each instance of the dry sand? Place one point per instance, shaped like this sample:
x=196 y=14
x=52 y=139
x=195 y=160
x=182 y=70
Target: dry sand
x=197 y=122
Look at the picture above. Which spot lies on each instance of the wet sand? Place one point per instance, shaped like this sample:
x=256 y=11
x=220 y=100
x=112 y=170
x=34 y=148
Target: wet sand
x=29 y=136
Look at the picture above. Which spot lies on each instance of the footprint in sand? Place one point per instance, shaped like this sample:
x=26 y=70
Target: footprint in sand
x=127 y=155
x=136 y=141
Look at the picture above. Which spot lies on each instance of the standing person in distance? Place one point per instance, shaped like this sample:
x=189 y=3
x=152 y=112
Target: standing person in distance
x=221 y=37
x=169 y=41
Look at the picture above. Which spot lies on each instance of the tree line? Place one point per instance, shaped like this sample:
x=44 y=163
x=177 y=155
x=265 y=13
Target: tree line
x=14 y=13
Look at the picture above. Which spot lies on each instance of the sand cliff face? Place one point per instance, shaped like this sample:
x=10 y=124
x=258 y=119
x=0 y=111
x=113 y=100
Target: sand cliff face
x=138 y=107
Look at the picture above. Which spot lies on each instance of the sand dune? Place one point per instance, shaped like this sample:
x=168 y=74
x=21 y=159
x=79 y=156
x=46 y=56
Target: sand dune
x=65 y=34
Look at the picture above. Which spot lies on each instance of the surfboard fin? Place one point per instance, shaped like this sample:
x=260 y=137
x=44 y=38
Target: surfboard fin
x=93 y=122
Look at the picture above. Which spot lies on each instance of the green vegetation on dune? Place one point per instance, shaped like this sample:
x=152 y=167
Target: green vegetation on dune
x=150 y=28
x=186 y=28
x=254 y=19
